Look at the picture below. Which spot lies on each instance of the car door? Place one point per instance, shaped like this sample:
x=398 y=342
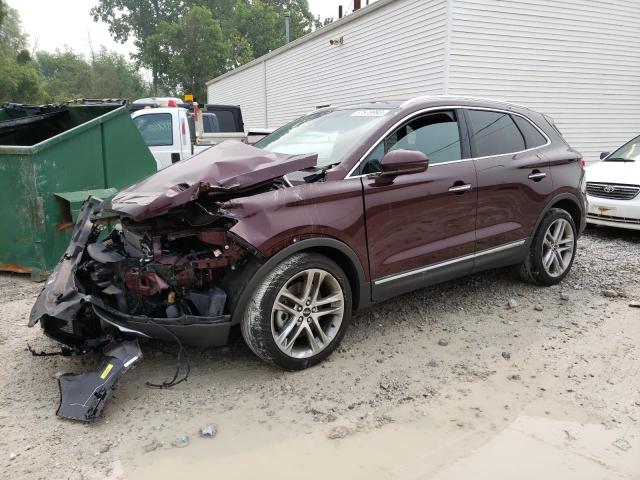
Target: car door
x=514 y=181
x=421 y=227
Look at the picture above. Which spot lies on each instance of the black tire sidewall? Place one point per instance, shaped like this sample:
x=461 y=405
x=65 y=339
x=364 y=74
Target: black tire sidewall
x=256 y=322
x=540 y=274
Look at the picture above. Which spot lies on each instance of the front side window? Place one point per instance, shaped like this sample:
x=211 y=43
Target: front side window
x=155 y=128
x=436 y=135
x=494 y=133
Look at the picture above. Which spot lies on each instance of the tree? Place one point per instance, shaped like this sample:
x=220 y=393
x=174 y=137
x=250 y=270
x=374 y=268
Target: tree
x=320 y=22
x=138 y=19
x=240 y=52
x=67 y=75
x=257 y=21
x=12 y=38
x=61 y=75
x=186 y=42
x=19 y=81
x=191 y=51
x=112 y=76
x=260 y=24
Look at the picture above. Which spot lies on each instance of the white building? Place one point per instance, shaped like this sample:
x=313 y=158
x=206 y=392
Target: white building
x=575 y=60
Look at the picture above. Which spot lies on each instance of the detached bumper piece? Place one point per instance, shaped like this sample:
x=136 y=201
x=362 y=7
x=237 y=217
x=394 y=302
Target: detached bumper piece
x=84 y=396
x=191 y=330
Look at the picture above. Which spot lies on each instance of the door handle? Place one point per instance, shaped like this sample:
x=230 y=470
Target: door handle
x=460 y=188
x=536 y=175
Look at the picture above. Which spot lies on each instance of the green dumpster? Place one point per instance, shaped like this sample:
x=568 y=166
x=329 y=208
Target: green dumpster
x=51 y=159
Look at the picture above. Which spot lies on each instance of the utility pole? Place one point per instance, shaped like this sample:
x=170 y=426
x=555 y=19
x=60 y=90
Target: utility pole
x=287 y=31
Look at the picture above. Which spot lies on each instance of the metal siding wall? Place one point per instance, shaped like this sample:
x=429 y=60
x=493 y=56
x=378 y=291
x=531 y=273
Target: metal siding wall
x=246 y=88
x=575 y=60
x=394 y=52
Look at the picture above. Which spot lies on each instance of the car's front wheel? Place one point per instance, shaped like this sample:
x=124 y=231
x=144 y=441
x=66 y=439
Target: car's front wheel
x=553 y=249
x=299 y=312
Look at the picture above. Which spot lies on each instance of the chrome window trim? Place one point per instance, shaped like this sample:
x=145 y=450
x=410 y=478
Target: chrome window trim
x=449 y=107
x=446 y=263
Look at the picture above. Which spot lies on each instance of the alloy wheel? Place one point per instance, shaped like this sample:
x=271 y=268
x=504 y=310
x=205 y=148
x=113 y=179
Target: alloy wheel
x=307 y=313
x=558 y=247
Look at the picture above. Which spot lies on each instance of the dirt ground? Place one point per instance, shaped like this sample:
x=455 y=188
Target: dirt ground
x=483 y=377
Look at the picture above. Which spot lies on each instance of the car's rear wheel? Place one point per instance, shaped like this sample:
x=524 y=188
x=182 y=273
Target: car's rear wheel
x=553 y=249
x=299 y=312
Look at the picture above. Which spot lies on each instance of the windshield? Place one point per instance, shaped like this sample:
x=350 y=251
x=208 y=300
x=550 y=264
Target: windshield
x=332 y=134
x=629 y=152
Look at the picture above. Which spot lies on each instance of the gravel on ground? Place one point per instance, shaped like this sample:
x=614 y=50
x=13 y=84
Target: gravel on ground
x=445 y=382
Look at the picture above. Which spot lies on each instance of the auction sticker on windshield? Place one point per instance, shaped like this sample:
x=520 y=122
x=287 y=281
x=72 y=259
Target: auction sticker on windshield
x=369 y=113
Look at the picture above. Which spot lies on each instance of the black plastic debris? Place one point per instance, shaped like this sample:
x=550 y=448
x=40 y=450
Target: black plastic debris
x=84 y=396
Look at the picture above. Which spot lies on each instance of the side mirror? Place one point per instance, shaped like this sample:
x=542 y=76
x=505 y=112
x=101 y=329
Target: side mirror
x=604 y=155
x=401 y=162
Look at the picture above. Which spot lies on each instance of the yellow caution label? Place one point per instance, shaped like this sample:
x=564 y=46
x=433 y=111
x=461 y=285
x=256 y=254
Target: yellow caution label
x=106 y=371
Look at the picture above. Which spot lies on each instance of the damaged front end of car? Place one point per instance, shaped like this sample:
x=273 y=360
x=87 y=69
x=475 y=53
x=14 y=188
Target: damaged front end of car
x=156 y=279
x=167 y=269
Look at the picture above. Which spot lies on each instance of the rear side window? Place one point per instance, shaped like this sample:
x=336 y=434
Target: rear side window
x=532 y=136
x=494 y=133
x=156 y=129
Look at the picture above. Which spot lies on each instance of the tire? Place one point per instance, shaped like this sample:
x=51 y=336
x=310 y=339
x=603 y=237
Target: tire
x=536 y=269
x=273 y=321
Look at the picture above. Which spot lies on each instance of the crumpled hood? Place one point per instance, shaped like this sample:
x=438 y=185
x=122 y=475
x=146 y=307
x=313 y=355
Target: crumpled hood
x=229 y=166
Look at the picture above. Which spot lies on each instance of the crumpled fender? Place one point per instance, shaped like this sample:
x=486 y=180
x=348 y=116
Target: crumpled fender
x=274 y=220
x=60 y=297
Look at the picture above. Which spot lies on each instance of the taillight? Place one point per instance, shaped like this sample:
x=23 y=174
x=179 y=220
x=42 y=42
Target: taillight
x=582 y=163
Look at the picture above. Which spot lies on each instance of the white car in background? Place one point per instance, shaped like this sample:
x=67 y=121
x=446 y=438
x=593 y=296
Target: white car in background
x=613 y=188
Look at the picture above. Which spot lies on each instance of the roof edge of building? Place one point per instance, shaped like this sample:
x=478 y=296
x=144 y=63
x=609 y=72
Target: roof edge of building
x=309 y=36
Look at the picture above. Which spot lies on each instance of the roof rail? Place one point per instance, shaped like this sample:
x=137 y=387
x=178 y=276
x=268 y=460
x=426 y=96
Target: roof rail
x=321 y=107
x=417 y=99
x=460 y=97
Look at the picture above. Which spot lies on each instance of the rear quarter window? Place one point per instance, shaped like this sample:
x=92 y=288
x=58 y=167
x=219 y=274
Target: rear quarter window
x=532 y=136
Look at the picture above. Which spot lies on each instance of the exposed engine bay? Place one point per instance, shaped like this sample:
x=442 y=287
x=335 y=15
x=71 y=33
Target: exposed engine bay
x=156 y=278
x=161 y=270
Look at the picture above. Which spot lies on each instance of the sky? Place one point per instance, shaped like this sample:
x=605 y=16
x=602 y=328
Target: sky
x=53 y=24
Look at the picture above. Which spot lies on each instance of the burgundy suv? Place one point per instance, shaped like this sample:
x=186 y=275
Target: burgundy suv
x=337 y=210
